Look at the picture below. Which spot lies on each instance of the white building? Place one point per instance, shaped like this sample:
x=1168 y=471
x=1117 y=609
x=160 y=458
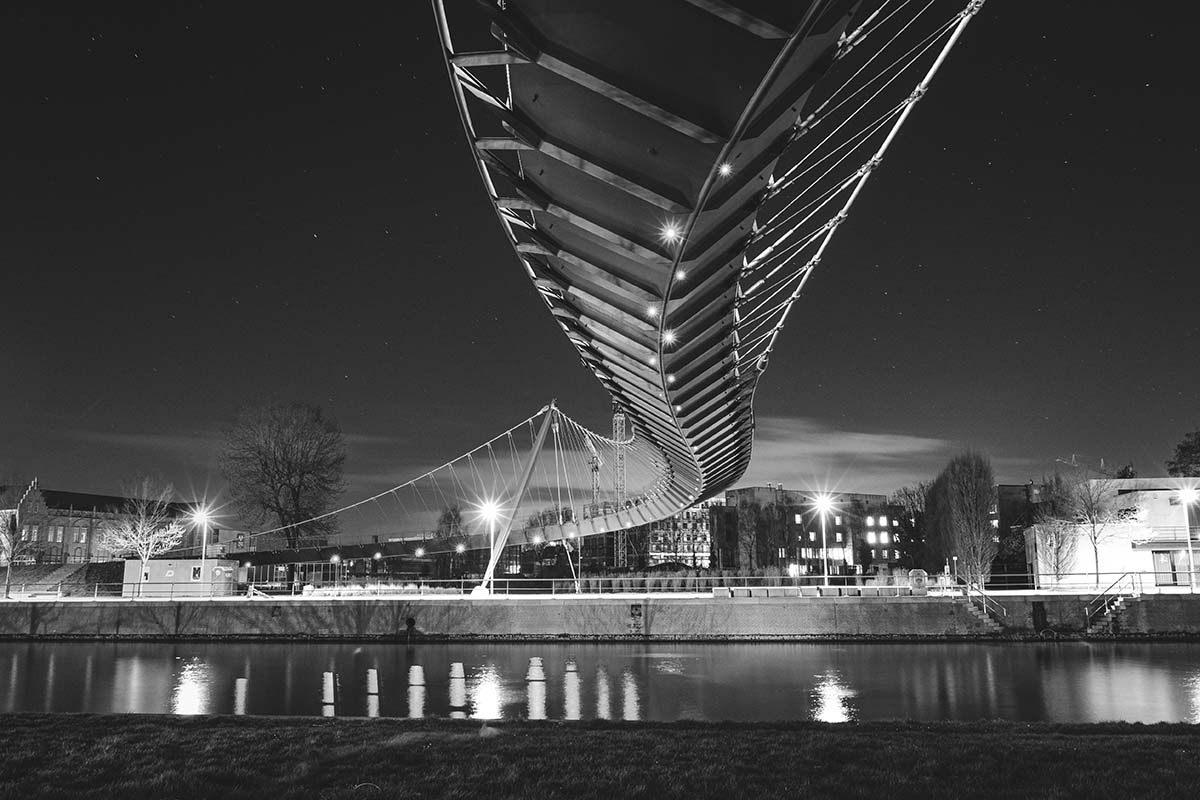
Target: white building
x=1151 y=532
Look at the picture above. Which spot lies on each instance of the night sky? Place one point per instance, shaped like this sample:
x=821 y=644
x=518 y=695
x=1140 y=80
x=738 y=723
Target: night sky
x=212 y=205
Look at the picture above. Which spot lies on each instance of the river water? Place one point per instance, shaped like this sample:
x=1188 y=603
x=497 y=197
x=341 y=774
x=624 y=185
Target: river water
x=1062 y=682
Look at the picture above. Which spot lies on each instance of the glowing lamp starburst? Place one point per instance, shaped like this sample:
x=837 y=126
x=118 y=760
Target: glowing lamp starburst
x=725 y=170
x=671 y=232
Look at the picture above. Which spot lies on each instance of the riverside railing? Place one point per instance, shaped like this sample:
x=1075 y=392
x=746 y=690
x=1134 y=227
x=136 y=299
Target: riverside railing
x=1093 y=585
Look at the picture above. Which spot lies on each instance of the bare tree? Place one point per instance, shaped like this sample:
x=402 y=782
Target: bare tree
x=1057 y=542
x=19 y=503
x=284 y=467
x=749 y=514
x=964 y=495
x=913 y=523
x=1092 y=505
x=147 y=528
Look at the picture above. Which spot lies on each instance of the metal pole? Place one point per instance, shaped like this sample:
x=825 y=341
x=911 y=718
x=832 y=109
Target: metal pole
x=824 y=550
x=1187 y=532
x=204 y=552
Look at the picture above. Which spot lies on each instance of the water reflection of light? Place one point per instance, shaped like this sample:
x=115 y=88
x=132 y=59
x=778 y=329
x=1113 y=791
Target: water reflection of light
x=572 y=703
x=416 y=702
x=831 y=699
x=487 y=695
x=537 y=699
x=239 y=695
x=49 y=682
x=1192 y=685
x=458 y=698
x=668 y=666
x=191 y=695
x=603 y=703
x=633 y=703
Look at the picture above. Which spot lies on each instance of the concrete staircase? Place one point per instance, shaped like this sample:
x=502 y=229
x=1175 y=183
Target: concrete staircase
x=984 y=618
x=52 y=581
x=1110 y=621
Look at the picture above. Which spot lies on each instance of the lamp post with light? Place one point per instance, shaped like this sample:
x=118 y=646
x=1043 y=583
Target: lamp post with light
x=1187 y=496
x=200 y=518
x=824 y=504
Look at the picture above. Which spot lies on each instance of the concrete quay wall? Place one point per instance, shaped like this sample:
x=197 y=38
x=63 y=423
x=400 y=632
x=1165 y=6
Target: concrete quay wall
x=657 y=618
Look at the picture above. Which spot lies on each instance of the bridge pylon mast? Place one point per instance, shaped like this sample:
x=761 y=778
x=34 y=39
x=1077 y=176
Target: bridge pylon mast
x=620 y=539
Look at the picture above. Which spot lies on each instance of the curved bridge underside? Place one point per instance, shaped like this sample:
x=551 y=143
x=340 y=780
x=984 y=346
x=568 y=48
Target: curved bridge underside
x=629 y=149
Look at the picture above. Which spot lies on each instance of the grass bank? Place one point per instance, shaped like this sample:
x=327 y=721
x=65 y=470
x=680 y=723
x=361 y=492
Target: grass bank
x=133 y=756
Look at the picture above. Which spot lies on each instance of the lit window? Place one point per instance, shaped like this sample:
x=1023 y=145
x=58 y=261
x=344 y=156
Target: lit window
x=799 y=519
x=995 y=523
x=895 y=523
x=870 y=537
x=872 y=553
x=812 y=536
x=837 y=520
x=883 y=537
x=896 y=554
x=870 y=522
x=882 y=521
x=839 y=536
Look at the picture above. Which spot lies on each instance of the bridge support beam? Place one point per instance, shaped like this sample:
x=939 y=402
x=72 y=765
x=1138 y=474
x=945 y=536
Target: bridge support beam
x=499 y=542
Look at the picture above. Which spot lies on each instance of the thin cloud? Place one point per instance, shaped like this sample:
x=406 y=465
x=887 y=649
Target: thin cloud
x=804 y=453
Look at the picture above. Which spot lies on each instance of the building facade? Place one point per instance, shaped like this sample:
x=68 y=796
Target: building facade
x=763 y=527
x=67 y=528
x=1147 y=528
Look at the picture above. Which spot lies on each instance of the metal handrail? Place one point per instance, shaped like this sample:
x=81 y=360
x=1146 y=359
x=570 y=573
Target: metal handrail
x=1110 y=598
x=990 y=606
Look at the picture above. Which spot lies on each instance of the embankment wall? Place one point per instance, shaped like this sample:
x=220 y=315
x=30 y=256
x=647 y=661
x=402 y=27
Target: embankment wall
x=653 y=618
x=434 y=618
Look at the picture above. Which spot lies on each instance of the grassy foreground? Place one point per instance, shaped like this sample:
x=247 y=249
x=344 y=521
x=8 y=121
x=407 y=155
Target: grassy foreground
x=133 y=756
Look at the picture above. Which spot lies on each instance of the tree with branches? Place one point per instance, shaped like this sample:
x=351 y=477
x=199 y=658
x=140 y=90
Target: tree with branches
x=1055 y=536
x=912 y=523
x=148 y=526
x=964 y=497
x=1186 y=462
x=1092 y=506
x=284 y=467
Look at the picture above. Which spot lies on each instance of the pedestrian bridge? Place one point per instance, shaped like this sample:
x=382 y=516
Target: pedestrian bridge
x=669 y=176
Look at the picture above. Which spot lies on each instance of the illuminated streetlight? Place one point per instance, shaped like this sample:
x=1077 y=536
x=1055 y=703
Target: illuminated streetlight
x=200 y=518
x=824 y=504
x=419 y=552
x=669 y=337
x=725 y=170
x=1187 y=496
x=670 y=233
x=460 y=548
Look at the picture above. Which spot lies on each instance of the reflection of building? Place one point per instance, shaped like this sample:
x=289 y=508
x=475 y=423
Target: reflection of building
x=772 y=527
x=68 y=530
x=1146 y=529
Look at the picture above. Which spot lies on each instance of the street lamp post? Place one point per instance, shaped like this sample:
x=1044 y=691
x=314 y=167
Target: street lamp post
x=490 y=511
x=200 y=519
x=1187 y=496
x=824 y=504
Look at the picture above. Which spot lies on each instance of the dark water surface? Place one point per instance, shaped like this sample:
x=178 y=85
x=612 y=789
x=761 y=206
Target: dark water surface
x=1067 y=682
